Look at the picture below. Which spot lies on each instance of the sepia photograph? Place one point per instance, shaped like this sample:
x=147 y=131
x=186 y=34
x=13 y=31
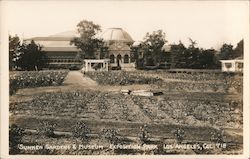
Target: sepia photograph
x=138 y=78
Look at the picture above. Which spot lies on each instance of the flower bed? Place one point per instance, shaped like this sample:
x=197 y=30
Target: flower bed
x=196 y=109
x=195 y=76
x=195 y=82
x=121 y=78
x=31 y=79
x=100 y=110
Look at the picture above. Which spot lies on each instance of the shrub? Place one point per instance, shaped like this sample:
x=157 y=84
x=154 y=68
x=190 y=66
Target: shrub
x=74 y=67
x=15 y=137
x=46 y=128
x=217 y=136
x=179 y=134
x=80 y=130
x=31 y=79
x=144 y=134
x=111 y=134
x=201 y=112
x=13 y=87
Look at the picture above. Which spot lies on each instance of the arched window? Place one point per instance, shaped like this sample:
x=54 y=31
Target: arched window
x=126 y=59
x=112 y=59
x=119 y=58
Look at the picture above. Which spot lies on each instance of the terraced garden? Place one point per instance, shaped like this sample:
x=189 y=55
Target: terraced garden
x=190 y=111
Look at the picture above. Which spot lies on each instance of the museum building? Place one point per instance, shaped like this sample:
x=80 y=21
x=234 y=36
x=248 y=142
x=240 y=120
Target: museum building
x=58 y=49
x=62 y=54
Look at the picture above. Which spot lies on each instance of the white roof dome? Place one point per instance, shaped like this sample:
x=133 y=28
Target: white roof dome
x=116 y=34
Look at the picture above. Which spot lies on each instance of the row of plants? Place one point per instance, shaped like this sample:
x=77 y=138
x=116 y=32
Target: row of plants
x=81 y=134
x=180 y=86
x=207 y=82
x=31 y=79
x=195 y=76
x=202 y=109
x=120 y=78
x=201 y=82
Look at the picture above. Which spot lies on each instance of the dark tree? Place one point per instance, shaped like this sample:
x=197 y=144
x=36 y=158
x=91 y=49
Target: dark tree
x=239 y=50
x=177 y=53
x=193 y=57
x=137 y=56
x=207 y=59
x=88 y=42
x=134 y=53
x=226 y=52
x=31 y=57
x=15 y=137
x=14 y=50
x=192 y=54
x=152 y=47
x=187 y=57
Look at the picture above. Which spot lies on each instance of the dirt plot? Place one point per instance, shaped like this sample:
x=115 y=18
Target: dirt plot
x=187 y=112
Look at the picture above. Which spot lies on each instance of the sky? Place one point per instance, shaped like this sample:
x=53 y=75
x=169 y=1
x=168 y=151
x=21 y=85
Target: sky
x=209 y=23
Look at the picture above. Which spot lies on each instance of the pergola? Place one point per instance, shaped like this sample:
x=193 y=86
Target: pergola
x=96 y=65
x=235 y=65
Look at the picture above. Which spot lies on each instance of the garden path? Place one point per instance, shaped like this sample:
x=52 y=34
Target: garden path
x=77 y=78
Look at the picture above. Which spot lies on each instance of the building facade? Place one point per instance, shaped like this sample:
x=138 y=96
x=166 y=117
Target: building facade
x=61 y=54
x=119 y=51
x=57 y=47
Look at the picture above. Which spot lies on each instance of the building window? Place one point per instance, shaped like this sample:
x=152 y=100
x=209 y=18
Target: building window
x=119 y=58
x=112 y=59
x=126 y=59
x=228 y=65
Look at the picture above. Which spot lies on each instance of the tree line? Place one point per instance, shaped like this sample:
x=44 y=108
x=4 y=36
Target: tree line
x=179 y=56
x=198 y=58
x=149 y=52
x=25 y=56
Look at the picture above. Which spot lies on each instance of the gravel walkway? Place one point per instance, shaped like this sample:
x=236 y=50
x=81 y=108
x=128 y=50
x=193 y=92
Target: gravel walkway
x=77 y=78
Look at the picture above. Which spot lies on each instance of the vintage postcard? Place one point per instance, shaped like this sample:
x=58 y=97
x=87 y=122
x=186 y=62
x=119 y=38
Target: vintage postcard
x=127 y=79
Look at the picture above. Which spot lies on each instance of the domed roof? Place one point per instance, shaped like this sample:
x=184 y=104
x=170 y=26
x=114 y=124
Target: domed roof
x=116 y=34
